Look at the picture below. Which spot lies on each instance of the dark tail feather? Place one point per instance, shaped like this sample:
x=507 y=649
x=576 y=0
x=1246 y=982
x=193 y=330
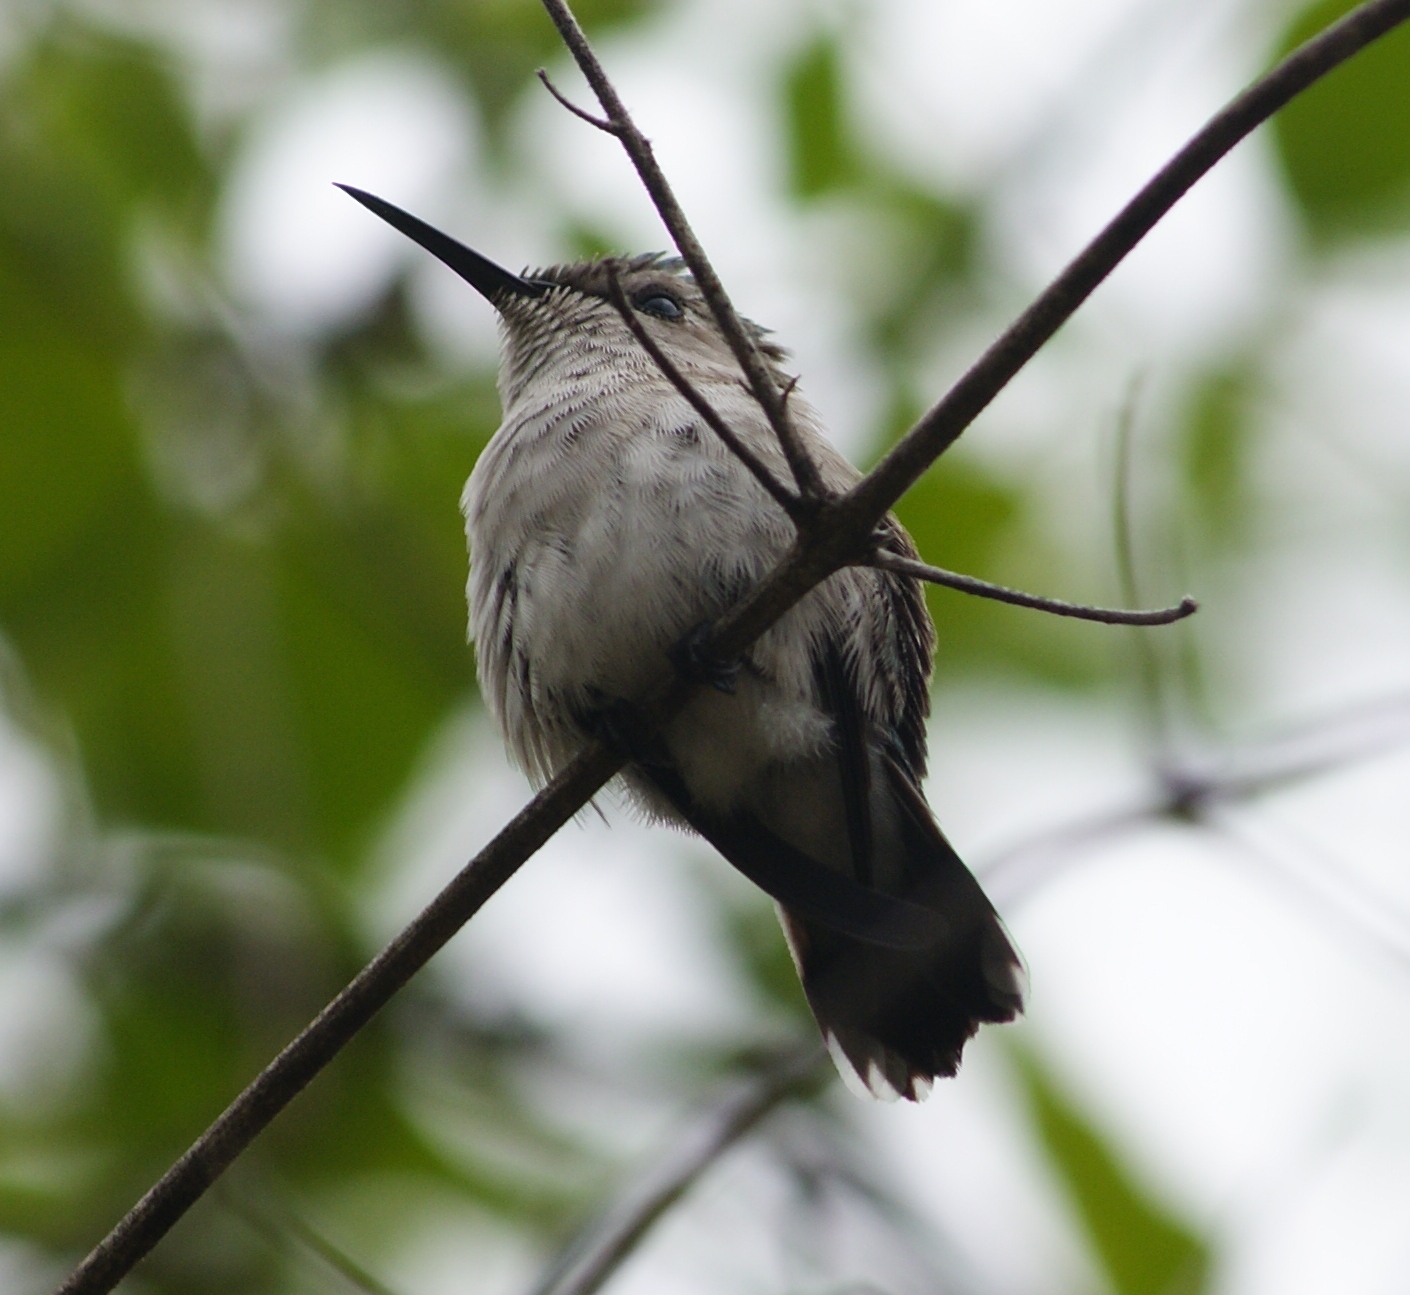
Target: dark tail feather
x=898 y=982
x=902 y=1020
x=901 y=1017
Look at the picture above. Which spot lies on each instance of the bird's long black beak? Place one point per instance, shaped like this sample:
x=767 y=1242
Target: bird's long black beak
x=482 y=274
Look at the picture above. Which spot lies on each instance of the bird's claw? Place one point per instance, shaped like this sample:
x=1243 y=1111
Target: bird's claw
x=694 y=662
x=621 y=726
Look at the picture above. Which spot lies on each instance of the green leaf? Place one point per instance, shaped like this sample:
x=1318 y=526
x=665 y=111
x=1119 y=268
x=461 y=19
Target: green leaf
x=751 y=927
x=1143 y=1249
x=820 y=155
x=1344 y=143
x=930 y=241
x=1214 y=454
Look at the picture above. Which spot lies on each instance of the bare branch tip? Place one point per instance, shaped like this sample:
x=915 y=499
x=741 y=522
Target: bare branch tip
x=1185 y=608
x=601 y=123
x=902 y=565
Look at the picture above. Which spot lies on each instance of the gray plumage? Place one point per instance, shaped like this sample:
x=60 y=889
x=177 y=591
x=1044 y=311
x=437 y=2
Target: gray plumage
x=606 y=521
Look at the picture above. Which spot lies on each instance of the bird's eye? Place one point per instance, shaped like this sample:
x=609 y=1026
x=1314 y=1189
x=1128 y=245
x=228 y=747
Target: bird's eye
x=661 y=305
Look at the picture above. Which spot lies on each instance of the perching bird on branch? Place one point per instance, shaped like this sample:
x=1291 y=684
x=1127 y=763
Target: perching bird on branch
x=607 y=525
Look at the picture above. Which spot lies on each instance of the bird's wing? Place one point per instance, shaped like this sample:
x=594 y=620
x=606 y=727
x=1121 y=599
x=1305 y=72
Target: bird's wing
x=840 y=698
x=903 y=654
x=801 y=883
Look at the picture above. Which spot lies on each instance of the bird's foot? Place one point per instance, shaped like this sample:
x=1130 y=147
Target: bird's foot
x=621 y=726
x=694 y=662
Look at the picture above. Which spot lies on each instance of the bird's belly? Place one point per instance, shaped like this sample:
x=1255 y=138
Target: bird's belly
x=593 y=620
x=596 y=618
x=730 y=747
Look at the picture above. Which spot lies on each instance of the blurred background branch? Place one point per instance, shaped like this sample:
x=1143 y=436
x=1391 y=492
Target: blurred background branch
x=241 y=746
x=591 y=1257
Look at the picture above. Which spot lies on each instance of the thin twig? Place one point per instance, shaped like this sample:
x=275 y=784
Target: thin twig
x=848 y=527
x=591 y=1257
x=1191 y=794
x=905 y=566
x=758 y=374
x=601 y=123
x=1149 y=682
x=784 y=497
x=281 y=1231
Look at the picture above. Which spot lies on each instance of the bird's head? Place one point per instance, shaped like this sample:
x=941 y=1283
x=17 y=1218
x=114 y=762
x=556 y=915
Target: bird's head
x=565 y=315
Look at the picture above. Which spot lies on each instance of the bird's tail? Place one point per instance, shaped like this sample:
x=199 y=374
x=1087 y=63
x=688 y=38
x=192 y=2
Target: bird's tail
x=898 y=982
x=901 y=1017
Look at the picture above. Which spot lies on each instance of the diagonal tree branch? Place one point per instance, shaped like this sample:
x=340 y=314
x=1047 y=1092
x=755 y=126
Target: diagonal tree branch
x=840 y=534
x=756 y=371
x=939 y=428
x=843 y=527
x=290 y=1072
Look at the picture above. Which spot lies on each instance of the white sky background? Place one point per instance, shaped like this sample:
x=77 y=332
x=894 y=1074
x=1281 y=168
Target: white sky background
x=1250 y=1055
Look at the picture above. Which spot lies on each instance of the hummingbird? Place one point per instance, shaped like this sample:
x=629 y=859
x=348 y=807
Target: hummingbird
x=608 y=527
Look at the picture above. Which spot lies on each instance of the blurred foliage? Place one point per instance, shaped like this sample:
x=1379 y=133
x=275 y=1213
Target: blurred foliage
x=1344 y=143
x=1142 y=1250
x=233 y=572
x=210 y=965
x=821 y=156
x=232 y=568
x=1215 y=451
x=963 y=519
x=921 y=251
x=244 y=639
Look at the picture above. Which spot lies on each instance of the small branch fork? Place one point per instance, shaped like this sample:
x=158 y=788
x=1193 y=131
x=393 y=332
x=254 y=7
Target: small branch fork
x=840 y=535
x=780 y=493
x=618 y=122
x=601 y=123
x=880 y=558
